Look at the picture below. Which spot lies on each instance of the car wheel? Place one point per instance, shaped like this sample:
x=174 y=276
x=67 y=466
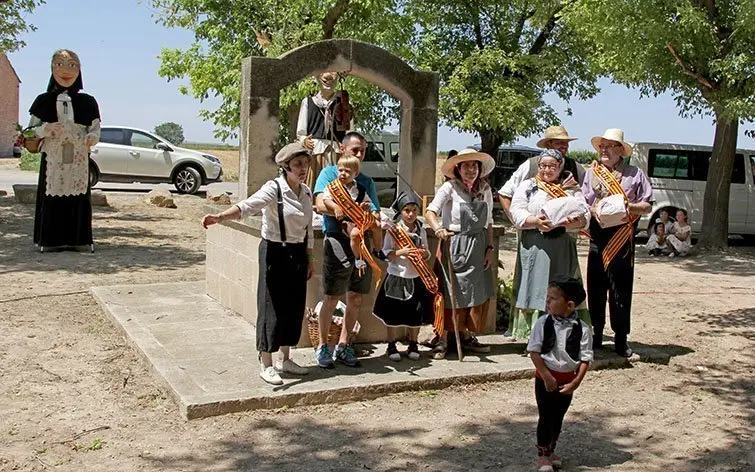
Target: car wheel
x=94 y=176
x=187 y=180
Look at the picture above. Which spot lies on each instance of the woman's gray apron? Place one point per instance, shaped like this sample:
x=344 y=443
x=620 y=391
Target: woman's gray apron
x=473 y=284
x=541 y=257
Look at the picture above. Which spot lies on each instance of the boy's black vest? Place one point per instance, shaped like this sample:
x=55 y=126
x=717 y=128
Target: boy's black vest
x=316 y=122
x=572 y=342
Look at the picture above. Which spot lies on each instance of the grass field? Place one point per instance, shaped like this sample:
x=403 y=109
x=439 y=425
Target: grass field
x=230 y=160
x=209 y=147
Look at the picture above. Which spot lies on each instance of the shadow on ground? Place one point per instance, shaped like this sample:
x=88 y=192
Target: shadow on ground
x=118 y=245
x=736 y=452
x=739 y=322
x=279 y=444
x=738 y=259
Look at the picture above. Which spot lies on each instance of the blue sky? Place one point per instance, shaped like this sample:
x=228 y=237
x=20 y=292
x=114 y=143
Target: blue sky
x=118 y=43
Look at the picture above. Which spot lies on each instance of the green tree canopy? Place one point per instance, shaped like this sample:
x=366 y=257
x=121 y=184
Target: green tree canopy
x=226 y=31
x=497 y=61
x=173 y=132
x=701 y=51
x=13 y=23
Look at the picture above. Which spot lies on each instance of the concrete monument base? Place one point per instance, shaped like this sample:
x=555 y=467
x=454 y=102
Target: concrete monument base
x=205 y=356
x=232 y=271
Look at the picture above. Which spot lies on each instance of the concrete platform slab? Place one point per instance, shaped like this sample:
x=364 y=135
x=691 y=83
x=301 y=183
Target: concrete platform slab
x=205 y=356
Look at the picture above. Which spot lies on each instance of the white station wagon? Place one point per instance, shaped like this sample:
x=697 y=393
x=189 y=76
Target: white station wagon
x=126 y=154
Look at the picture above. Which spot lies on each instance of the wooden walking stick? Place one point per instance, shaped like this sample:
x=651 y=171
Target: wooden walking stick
x=452 y=294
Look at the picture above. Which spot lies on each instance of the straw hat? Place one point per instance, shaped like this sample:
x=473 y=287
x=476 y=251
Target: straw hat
x=469 y=154
x=613 y=134
x=554 y=132
x=289 y=151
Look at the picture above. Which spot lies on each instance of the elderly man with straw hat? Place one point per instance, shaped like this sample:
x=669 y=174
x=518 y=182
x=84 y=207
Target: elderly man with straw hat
x=572 y=175
x=618 y=194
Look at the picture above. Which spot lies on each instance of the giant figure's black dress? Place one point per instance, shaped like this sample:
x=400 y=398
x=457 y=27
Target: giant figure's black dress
x=63 y=216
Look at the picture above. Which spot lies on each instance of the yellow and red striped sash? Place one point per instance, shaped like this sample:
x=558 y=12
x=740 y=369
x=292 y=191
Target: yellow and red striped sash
x=626 y=232
x=361 y=218
x=555 y=191
x=403 y=240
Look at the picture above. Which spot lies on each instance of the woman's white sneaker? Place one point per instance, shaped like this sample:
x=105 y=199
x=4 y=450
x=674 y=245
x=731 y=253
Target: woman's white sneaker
x=270 y=375
x=290 y=367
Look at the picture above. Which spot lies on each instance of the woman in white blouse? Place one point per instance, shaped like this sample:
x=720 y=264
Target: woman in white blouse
x=545 y=208
x=465 y=207
x=285 y=258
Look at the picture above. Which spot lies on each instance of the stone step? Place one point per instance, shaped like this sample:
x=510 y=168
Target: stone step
x=205 y=356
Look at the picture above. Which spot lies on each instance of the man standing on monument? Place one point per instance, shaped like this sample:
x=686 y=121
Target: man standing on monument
x=323 y=122
x=340 y=274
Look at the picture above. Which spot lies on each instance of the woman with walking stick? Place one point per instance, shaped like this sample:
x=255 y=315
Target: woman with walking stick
x=461 y=215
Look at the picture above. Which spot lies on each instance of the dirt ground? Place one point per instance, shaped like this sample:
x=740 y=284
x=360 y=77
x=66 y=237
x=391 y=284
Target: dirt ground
x=75 y=397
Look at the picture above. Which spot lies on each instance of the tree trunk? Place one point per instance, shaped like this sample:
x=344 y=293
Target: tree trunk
x=715 y=227
x=490 y=142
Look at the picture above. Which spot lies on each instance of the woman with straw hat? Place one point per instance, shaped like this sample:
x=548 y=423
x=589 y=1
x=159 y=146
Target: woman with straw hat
x=285 y=258
x=618 y=194
x=462 y=214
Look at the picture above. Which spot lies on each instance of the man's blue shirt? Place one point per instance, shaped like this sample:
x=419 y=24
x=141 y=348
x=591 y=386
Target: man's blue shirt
x=328 y=175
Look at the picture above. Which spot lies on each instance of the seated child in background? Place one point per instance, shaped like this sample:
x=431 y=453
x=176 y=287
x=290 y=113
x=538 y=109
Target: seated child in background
x=348 y=169
x=657 y=241
x=680 y=241
x=668 y=223
x=560 y=347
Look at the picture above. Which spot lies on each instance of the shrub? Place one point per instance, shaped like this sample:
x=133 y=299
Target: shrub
x=583 y=156
x=503 y=303
x=173 y=132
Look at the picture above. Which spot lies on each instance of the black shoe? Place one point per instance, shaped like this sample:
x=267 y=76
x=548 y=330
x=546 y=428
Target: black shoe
x=413 y=351
x=621 y=347
x=597 y=341
x=392 y=352
x=472 y=344
x=623 y=350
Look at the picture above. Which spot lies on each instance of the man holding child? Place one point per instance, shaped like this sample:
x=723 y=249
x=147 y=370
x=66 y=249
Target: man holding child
x=340 y=272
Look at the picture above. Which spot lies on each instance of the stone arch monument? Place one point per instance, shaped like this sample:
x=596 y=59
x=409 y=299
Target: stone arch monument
x=262 y=79
x=231 y=269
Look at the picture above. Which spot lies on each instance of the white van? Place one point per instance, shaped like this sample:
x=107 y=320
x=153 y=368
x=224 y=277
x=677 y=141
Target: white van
x=381 y=163
x=678 y=174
